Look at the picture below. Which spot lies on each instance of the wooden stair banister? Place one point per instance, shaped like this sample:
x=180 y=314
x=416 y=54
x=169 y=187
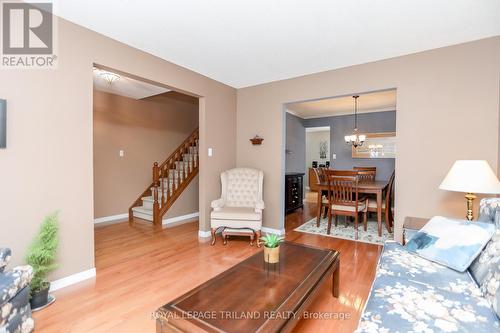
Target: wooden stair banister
x=171 y=177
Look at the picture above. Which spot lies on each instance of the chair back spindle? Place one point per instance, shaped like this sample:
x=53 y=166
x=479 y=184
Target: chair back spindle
x=366 y=175
x=342 y=189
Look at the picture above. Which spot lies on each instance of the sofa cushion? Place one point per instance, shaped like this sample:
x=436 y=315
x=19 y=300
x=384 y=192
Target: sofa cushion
x=236 y=213
x=454 y=243
x=399 y=305
x=397 y=261
x=13 y=281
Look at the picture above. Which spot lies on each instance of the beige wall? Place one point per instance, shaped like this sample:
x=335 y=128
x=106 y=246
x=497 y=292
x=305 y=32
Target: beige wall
x=48 y=161
x=147 y=131
x=447 y=103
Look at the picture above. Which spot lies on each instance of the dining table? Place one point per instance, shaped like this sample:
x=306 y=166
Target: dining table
x=376 y=187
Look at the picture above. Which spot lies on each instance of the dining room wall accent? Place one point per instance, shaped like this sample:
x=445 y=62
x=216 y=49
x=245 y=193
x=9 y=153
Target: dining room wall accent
x=373 y=122
x=377 y=145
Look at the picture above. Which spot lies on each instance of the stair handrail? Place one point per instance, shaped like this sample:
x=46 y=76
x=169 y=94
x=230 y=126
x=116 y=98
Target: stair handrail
x=159 y=171
x=194 y=133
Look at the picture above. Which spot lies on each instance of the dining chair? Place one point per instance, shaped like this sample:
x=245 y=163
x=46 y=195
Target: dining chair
x=367 y=168
x=343 y=198
x=320 y=174
x=366 y=175
x=321 y=178
x=366 y=172
x=386 y=203
x=340 y=173
x=323 y=174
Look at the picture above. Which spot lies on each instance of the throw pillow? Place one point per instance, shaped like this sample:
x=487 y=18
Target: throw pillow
x=453 y=243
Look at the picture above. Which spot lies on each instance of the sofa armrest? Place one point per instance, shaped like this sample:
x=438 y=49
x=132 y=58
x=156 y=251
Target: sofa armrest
x=489 y=210
x=259 y=206
x=218 y=204
x=13 y=281
x=4 y=258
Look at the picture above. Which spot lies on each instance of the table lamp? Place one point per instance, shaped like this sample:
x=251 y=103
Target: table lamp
x=471 y=176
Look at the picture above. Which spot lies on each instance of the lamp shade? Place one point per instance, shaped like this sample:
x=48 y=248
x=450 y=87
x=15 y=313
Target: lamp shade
x=471 y=176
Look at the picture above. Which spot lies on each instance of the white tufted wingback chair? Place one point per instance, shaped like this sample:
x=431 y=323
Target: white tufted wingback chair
x=240 y=205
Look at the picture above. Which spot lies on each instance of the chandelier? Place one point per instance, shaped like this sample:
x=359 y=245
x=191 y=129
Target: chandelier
x=355 y=139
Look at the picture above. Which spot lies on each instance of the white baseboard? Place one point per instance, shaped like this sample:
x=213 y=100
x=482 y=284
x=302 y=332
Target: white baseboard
x=72 y=279
x=124 y=216
x=176 y=219
x=273 y=231
x=204 y=234
x=111 y=218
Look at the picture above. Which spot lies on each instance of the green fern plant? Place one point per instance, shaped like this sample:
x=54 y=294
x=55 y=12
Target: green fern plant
x=42 y=252
x=271 y=240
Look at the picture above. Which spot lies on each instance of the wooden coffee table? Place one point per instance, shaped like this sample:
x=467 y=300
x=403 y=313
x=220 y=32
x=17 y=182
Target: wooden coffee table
x=253 y=297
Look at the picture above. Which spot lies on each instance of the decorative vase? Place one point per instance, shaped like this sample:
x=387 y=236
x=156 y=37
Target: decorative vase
x=272 y=254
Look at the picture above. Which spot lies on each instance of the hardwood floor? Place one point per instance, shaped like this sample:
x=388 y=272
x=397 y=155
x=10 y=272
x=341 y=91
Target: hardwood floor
x=140 y=268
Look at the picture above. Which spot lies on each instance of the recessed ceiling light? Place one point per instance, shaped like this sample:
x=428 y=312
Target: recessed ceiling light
x=109 y=77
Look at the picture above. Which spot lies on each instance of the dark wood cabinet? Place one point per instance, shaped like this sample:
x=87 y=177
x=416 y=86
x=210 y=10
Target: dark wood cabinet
x=294 y=192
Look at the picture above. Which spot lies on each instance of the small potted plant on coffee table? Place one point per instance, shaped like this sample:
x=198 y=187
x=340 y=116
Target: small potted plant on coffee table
x=41 y=256
x=271 y=248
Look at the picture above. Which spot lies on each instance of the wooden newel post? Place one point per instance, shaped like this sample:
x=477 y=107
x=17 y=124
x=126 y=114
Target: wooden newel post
x=156 y=205
x=156 y=173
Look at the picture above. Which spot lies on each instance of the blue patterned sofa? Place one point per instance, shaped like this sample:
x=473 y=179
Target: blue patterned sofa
x=15 y=311
x=412 y=294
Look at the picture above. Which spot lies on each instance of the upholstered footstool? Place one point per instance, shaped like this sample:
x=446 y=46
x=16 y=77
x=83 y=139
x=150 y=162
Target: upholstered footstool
x=239 y=232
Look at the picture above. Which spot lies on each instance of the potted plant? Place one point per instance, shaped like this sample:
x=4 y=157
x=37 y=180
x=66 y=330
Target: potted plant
x=41 y=256
x=271 y=248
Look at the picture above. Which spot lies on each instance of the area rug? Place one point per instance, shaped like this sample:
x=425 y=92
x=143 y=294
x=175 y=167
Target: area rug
x=347 y=232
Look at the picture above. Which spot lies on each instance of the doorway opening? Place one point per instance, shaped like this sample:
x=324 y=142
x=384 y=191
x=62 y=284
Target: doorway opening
x=317 y=156
x=145 y=149
x=319 y=140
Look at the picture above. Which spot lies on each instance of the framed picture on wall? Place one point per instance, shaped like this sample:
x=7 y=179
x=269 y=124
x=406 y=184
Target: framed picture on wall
x=377 y=145
x=3 y=123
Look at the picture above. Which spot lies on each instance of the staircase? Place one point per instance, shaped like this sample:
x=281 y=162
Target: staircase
x=170 y=178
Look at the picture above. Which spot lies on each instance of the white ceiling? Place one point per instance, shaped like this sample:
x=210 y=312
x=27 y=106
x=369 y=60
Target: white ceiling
x=248 y=42
x=126 y=86
x=378 y=101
